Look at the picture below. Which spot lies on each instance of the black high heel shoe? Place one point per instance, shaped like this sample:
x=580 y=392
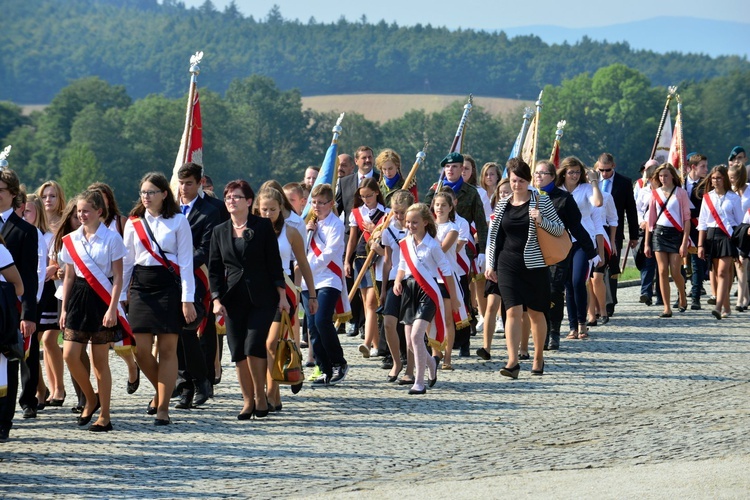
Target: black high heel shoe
x=83 y=420
x=538 y=372
x=431 y=382
x=56 y=402
x=511 y=371
x=393 y=378
x=246 y=415
x=133 y=386
x=150 y=409
x=261 y=413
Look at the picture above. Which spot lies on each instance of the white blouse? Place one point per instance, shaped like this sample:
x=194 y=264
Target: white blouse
x=464 y=234
x=583 y=194
x=330 y=238
x=103 y=247
x=450 y=254
x=728 y=207
x=431 y=256
x=391 y=241
x=174 y=237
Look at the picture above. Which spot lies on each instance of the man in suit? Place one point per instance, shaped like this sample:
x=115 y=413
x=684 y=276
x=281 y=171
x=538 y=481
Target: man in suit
x=21 y=239
x=345 y=188
x=621 y=189
x=202 y=216
x=697 y=171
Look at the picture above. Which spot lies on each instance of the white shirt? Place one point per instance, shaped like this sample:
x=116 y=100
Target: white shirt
x=582 y=194
x=189 y=206
x=41 y=268
x=330 y=239
x=285 y=250
x=390 y=239
x=5 y=215
x=174 y=237
x=673 y=207
x=642 y=203
x=690 y=184
x=367 y=214
x=103 y=247
x=431 y=256
x=442 y=232
x=464 y=234
x=297 y=222
x=728 y=207
x=6 y=259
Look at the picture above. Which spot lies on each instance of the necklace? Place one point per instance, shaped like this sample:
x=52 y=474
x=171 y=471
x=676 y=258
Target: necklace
x=240 y=226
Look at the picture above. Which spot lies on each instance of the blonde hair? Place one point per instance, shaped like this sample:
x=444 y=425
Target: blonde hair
x=41 y=216
x=58 y=191
x=402 y=198
x=388 y=155
x=424 y=212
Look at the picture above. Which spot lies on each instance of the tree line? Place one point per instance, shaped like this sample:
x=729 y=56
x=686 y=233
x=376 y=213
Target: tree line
x=92 y=130
x=144 y=45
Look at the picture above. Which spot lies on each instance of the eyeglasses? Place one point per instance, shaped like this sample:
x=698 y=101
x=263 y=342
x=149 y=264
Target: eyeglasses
x=234 y=197
x=605 y=170
x=541 y=173
x=148 y=194
x=573 y=172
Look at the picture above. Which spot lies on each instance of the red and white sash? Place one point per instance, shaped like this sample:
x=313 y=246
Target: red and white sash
x=343 y=309
x=97 y=280
x=715 y=214
x=140 y=230
x=461 y=317
x=430 y=287
x=662 y=204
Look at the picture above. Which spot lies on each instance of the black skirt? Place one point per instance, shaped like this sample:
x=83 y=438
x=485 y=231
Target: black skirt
x=415 y=303
x=525 y=287
x=84 y=313
x=49 y=308
x=667 y=239
x=718 y=245
x=155 y=301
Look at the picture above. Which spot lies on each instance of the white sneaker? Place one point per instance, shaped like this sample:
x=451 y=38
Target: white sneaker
x=364 y=350
x=499 y=327
x=374 y=352
x=480 y=324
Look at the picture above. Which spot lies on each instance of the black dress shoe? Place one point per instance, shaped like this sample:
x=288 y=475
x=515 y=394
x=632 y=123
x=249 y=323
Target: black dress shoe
x=162 y=421
x=202 y=392
x=484 y=354
x=465 y=351
x=416 y=391
x=524 y=355
x=538 y=372
x=431 y=382
x=605 y=320
x=387 y=363
x=260 y=413
x=150 y=410
x=296 y=388
x=245 y=416
x=133 y=386
x=83 y=420
x=29 y=412
x=4 y=435
x=101 y=428
x=511 y=371
x=186 y=400
x=77 y=409
x=554 y=346
x=665 y=315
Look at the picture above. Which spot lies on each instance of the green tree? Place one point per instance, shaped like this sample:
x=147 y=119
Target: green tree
x=78 y=168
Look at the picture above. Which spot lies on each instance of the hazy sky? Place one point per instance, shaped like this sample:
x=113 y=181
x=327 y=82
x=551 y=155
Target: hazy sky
x=491 y=15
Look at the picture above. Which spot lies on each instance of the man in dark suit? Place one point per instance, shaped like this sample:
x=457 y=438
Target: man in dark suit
x=202 y=216
x=621 y=189
x=345 y=188
x=21 y=239
x=697 y=171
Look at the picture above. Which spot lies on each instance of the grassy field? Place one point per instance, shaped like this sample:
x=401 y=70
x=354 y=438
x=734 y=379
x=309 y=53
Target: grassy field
x=383 y=107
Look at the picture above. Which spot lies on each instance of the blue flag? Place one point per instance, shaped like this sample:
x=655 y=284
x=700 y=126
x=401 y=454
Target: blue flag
x=326 y=174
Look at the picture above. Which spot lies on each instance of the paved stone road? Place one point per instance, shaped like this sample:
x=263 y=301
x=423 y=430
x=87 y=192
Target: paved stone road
x=647 y=406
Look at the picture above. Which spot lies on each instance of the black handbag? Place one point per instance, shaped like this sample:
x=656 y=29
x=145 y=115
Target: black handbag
x=199 y=309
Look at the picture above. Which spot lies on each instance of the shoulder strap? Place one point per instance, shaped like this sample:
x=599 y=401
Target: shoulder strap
x=158 y=247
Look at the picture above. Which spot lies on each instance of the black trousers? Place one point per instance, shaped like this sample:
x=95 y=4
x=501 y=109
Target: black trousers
x=8 y=403
x=612 y=283
x=30 y=376
x=558 y=275
x=191 y=364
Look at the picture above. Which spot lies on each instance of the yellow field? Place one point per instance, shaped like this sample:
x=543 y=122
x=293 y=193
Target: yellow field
x=383 y=107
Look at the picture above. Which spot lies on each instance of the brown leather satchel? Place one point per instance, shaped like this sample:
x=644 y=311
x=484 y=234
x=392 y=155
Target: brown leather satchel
x=287 y=365
x=554 y=248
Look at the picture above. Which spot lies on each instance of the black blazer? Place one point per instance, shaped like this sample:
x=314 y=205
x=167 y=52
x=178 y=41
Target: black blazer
x=622 y=193
x=202 y=218
x=218 y=205
x=258 y=268
x=345 y=189
x=696 y=198
x=568 y=211
x=22 y=241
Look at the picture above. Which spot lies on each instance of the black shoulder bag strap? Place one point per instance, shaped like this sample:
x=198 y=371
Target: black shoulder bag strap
x=161 y=252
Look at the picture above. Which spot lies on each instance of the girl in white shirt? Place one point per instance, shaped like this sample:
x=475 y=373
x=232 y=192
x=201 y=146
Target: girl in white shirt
x=86 y=314
x=420 y=304
x=738 y=177
x=721 y=211
x=159 y=303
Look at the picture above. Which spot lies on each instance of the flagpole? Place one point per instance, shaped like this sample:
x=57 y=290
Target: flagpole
x=670 y=95
x=4 y=156
x=194 y=72
x=458 y=138
x=558 y=135
x=334 y=141
x=371 y=254
x=680 y=152
x=538 y=105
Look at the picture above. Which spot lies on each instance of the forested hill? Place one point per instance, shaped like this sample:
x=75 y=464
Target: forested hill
x=145 y=46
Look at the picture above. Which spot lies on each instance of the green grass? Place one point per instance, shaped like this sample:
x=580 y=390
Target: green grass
x=630 y=273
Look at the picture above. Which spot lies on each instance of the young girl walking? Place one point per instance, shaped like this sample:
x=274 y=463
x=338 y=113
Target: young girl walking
x=91 y=291
x=422 y=261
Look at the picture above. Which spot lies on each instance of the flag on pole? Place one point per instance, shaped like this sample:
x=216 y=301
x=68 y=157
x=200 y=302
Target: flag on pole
x=330 y=167
x=529 y=144
x=516 y=149
x=191 y=143
x=677 y=145
x=665 y=141
x=458 y=139
x=555 y=156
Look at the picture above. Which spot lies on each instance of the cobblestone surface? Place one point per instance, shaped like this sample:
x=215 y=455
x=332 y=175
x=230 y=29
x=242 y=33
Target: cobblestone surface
x=642 y=392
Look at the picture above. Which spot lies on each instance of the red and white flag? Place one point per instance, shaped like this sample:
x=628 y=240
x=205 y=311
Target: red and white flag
x=677 y=145
x=665 y=141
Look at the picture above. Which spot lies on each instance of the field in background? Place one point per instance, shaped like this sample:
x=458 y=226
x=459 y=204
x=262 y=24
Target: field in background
x=383 y=107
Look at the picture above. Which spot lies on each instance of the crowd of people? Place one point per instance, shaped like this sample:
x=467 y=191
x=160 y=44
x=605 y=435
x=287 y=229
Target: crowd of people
x=161 y=285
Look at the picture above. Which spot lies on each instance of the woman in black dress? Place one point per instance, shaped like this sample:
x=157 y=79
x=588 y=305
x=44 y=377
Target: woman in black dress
x=246 y=251
x=516 y=264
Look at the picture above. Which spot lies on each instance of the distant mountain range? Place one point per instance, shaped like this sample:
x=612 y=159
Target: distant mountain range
x=660 y=34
